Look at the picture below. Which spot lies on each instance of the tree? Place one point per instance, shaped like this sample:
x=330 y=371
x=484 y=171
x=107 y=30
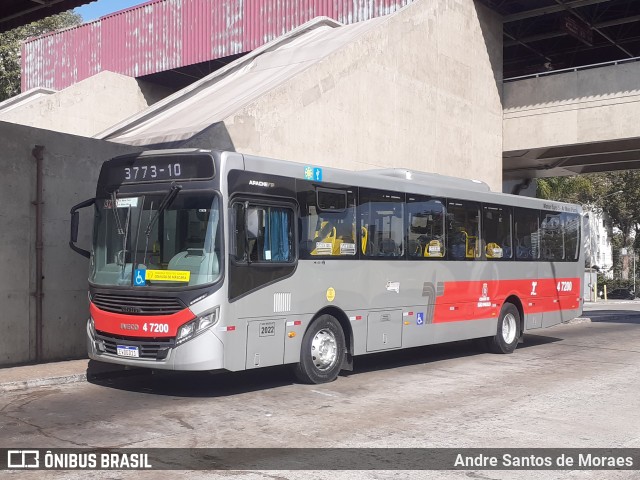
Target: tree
x=577 y=189
x=617 y=194
x=11 y=42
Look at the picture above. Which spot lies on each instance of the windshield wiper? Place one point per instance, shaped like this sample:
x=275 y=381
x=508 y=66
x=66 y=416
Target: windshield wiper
x=114 y=207
x=119 y=229
x=164 y=204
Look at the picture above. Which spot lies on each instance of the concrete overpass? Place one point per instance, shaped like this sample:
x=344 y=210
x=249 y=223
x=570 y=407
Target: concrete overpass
x=584 y=120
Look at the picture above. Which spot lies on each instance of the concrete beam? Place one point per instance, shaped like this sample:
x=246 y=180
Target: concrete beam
x=574 y=122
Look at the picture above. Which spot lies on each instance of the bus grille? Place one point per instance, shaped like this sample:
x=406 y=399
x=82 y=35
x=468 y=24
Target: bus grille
x=148 y=347
x=137 y=305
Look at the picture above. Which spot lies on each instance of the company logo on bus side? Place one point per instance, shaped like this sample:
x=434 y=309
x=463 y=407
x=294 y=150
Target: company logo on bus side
x=259 y=183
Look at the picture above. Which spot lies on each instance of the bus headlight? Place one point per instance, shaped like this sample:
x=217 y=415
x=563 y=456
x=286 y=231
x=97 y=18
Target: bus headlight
x=197 y=326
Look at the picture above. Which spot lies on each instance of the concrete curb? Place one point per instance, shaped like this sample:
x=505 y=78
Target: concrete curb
x=42 y=382
x=577 y=320
x=62 y=373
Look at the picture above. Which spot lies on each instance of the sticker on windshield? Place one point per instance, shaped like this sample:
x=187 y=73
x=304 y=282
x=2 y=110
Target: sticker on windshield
x=127 y=202
x=140 y=277
x=122 y=203
x=168 y=275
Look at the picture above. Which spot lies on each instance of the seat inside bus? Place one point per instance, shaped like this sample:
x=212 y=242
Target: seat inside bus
x=199 y=257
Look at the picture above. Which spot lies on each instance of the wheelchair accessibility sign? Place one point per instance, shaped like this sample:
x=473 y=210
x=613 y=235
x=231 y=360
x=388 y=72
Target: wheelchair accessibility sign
x=140 y=277
x=420 y=318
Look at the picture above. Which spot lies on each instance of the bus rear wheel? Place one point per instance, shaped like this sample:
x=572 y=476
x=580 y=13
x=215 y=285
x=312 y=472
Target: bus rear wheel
x=322 y=351
x=508 y=334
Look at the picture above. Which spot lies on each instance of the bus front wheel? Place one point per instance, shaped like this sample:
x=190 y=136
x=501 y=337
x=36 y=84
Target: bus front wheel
x=322 y=351
x=508 y=334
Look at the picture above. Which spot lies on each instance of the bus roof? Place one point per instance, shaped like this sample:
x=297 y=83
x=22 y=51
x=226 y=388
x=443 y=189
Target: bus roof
x=398 y=179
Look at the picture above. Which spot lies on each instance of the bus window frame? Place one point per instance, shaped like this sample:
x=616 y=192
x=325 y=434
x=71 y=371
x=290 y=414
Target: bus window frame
x=402 y=201
x=258 y=201
x=425 y=199
x=483 y=236
x=309 y=189
x=465 y=204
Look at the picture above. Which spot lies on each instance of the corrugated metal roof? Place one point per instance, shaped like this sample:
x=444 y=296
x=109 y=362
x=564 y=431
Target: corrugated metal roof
x=220 y=94
x=166 y=34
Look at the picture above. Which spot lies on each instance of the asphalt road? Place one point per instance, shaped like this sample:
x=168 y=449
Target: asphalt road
x=568 y=386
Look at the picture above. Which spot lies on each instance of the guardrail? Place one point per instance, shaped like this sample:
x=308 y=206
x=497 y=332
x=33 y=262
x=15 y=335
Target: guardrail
x=572 y=69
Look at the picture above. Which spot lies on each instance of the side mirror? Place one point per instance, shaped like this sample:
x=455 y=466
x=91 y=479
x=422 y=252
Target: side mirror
x=75 y=222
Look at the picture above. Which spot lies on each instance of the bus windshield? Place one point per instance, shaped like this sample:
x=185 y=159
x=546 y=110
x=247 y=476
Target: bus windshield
x=157 y=240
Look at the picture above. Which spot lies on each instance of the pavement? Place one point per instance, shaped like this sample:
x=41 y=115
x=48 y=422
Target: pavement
x=23 y=377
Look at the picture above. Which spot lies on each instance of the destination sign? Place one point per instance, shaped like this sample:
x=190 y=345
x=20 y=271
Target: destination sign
x=167 y=168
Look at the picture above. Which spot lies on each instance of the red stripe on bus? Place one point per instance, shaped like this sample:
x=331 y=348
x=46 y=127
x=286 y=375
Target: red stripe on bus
x=139 y=325
x=483 y=299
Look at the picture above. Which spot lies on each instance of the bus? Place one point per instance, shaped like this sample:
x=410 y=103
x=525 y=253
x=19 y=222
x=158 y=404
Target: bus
x=212 y=260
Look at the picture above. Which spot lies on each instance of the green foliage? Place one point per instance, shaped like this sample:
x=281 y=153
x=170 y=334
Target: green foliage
x=10 y=44
x=599 y=191
x=612 y=284
x=578 y=189
x=617 y=194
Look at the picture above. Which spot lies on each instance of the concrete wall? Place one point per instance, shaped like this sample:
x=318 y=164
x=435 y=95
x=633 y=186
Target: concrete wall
x=71 y=167
x=586 y=106
x=87 y=107
x=421 y=91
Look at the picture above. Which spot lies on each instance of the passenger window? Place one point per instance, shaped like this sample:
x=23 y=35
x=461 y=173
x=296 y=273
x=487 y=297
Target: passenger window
x=463 y=225
x=328 y=218
x=496 y=232
x=571 y=222
x=381 y=223
x=526 y=234
x=425 y=227
x=552 y=236
x=262 y=234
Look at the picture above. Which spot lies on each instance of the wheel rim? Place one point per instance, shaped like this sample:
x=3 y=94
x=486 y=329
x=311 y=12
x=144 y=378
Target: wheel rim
x=509 y=328
x=324 y=350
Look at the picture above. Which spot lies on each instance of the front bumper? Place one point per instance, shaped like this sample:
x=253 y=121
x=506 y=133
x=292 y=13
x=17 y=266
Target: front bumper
x=204 y=352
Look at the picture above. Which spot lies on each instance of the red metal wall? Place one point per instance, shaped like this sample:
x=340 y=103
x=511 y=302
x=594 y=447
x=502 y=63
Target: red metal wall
x=163 y=34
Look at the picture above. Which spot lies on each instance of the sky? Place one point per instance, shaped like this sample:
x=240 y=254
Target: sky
x=100 y=8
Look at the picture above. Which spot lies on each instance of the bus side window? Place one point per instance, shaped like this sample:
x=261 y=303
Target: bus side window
x=496 y=232
x=552 y=236
x=381 y=216
x=526 y=237
x=571 y=223
x=262 y=233
x=425 y=227
x=463 y=220
x=328 y=221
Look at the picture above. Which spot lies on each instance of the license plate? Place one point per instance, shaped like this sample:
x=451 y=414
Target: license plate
x=127 y=351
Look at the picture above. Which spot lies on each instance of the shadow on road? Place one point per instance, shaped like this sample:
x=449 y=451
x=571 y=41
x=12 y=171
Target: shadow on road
x=193 y=384
x=614 y=316
x=218 y=384
x=535 y=340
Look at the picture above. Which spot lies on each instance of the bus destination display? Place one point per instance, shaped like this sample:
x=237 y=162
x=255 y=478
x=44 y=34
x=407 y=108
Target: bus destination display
x=159 y=169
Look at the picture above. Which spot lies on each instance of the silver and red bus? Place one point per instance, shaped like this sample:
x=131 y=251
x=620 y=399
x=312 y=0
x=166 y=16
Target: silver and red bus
x=208 y=260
